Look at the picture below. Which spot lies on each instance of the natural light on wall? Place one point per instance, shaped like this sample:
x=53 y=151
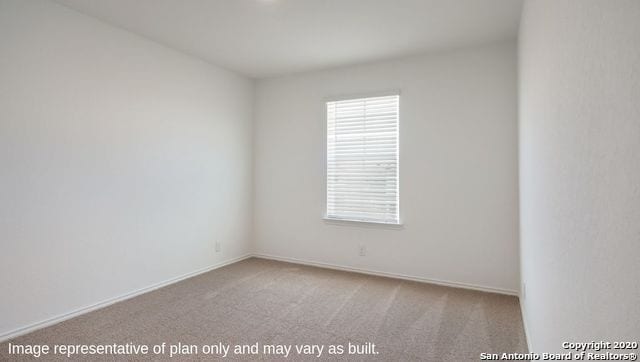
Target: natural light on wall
x=362 y=159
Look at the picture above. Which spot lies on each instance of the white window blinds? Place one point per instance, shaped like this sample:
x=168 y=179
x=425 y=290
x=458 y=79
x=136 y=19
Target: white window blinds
x=362 y=159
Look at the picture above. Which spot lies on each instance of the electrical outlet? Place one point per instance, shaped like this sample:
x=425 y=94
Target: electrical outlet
x=218 y=247
x=363 y=250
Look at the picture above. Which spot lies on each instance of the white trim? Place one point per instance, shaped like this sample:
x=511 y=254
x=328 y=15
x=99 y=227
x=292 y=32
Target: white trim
x=446 y=283
x=527 y=337
x=344 y=97
x=62 y=317
x=363 y=223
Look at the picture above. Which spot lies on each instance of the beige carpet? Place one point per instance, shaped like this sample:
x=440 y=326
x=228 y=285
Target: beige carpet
x=276 y=303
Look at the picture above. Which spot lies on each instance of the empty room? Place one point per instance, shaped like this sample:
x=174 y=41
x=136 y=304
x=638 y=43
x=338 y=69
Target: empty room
x=351 y=180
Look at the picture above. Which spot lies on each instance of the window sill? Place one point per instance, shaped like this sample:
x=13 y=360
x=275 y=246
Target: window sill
x=362 y=223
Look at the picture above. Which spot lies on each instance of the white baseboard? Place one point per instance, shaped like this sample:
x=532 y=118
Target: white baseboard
x=527 y=337
x=59 y=318
x=389 y=275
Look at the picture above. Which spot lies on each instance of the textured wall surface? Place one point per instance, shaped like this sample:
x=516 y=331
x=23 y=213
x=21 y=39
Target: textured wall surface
x=458 y=168
x=121 y=162
x=580 y=170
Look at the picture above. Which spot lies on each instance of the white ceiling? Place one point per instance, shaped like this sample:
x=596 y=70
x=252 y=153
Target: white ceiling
x=261 y=38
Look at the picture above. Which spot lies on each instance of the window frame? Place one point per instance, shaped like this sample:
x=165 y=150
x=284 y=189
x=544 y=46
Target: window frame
x=354 y=222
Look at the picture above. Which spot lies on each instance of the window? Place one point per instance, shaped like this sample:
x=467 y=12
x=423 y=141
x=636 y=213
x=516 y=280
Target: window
x=362 y=159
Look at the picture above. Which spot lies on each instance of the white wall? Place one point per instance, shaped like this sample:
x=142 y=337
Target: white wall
x=458 y=168
x=121 y=162
x=580 y=170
